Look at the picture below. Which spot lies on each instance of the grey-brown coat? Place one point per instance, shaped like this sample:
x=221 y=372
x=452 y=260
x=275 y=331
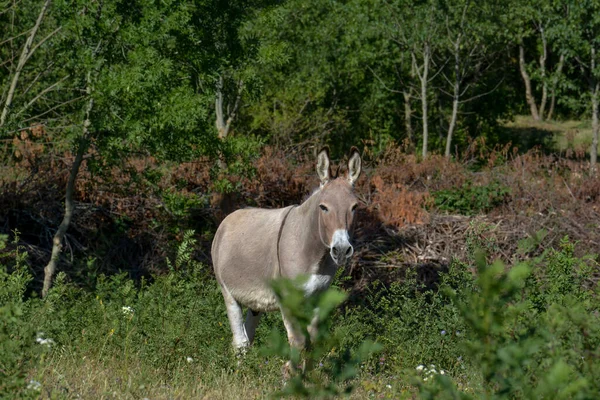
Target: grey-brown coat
x=253 y=246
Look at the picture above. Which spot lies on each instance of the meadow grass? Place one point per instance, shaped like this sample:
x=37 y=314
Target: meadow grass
x=564 y=134
x=530 y=330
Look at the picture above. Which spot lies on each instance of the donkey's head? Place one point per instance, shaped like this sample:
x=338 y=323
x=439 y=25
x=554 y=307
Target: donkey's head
x=337 y=203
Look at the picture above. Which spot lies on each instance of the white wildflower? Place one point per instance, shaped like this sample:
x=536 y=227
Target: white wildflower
x=44 y=341
x=189 y=359
x=388 y=386
x=430 y=371
x=127 y=310
x=34 y=385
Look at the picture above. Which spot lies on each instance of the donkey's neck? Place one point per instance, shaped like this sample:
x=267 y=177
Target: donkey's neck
x=307 y=230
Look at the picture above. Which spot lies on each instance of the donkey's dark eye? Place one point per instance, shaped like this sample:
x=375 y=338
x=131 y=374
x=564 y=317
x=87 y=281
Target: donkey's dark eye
x=323 y=207
x=354 y=207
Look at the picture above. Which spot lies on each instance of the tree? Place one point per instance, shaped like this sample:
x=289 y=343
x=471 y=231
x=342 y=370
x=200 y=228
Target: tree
x=34 y=82
x=529 y=23
x=304 y=73
x=579 y=34
x=414 y=27
x=472 y=44
x=139 y=94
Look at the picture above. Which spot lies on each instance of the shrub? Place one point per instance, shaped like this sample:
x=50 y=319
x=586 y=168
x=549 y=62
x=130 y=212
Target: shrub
x=160 y=322
x=470 y=199
x=18 y=350
x=327 y=370
x=533 y=331
x=416 y=324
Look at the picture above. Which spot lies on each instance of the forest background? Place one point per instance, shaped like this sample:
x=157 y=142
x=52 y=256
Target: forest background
x=130 y=128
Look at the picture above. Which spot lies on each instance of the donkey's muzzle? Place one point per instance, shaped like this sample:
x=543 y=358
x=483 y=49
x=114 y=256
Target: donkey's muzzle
x=341 y=252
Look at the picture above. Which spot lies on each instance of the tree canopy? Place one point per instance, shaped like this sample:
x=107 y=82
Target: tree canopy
x=170 y=78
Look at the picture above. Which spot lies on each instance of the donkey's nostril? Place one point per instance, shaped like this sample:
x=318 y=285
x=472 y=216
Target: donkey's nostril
x=349 y=251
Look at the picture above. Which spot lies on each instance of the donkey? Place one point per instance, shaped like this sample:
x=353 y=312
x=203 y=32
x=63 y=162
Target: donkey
x=253 y=246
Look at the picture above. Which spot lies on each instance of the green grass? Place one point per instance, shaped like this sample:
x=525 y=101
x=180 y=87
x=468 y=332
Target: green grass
x=563 y=134
x=523 y=331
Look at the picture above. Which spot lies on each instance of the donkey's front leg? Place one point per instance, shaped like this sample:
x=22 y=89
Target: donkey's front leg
x=297 y=340
x=236 y=322
x=295 y=336
x=313 y=328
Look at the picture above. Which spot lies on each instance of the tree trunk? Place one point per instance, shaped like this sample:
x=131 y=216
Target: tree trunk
x=224 y=124
x=82 y=147
x=222 y=130
x=557 y=73
x=455 y=97
x=543 y=58
x=595 y=128
x=408 y=119
x=25 y=54
x=224 y=202
x=527 y=81
x=424 y=81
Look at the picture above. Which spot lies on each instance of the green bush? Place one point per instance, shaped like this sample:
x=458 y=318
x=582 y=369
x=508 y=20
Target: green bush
x=162 y=323
x=327 y=369
x=533 y=330
x=18 y=348
x=527 y=331
x=470 y=199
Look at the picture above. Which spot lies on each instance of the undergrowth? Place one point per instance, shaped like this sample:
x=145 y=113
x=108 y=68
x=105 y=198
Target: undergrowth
x=471 y=199
x=527 y=331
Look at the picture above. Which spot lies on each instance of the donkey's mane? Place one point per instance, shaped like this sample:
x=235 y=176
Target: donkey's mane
x=313 y=192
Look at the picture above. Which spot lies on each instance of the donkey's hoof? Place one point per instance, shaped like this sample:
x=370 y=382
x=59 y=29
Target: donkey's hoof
x=287 y=371
x=240 y=352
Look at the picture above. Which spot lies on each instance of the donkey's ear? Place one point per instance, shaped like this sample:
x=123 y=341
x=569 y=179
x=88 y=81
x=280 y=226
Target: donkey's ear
x=354 y=165
x=323 y=169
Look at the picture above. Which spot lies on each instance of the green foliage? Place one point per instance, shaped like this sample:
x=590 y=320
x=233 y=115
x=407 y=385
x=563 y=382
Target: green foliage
x=17 y=337
x=523 y=351
x=415 y=322
x=326 y=369
x=240 y=154
x=160 y=323
x=479 y=238
x=183 y=258
x=527 y=331
x=14 y=284
x=179 y=204
x=470 y=199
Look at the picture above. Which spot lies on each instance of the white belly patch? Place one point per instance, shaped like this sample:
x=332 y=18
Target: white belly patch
x=316 y=283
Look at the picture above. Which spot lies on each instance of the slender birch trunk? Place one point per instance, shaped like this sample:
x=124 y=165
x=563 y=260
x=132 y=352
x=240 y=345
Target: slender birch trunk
x=557 y=73
x=424 y=81
x=595 y=92
x=59 y=236
x=408 y=119
x=25 y=54
x=595 y=129
x=455 y=97
x=527 y=80
x=224 y=124
x=543 y=58
x=223 y=120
